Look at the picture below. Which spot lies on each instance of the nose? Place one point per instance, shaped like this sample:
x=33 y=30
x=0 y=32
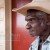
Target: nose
x=28 y=26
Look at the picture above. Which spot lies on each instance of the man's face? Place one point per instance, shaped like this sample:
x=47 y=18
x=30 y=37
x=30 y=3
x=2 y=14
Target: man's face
x=36 y=22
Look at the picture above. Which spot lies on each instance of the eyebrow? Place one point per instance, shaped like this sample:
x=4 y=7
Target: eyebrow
x=27 y=18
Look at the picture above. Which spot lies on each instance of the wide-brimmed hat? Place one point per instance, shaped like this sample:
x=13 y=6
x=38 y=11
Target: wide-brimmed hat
x=43 y=5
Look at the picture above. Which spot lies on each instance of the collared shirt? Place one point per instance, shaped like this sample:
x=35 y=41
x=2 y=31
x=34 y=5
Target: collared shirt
x=45 y=45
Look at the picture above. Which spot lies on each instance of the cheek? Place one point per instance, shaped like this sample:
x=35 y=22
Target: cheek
x=34 y=25
x=39 y=27
x=43 y=25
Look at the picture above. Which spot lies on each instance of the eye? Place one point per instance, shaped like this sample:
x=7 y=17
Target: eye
x=30 y=19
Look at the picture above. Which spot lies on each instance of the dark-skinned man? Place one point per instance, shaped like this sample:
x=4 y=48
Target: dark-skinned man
x=37 y=15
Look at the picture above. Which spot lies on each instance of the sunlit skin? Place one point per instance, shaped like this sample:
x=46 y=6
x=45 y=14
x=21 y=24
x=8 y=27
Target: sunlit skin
x=38 y=23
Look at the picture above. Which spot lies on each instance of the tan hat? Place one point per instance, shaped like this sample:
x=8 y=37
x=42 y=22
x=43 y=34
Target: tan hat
x=43 y=5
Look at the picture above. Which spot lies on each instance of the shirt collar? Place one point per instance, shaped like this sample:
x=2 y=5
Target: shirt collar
x=47 y=40
x=38 y=38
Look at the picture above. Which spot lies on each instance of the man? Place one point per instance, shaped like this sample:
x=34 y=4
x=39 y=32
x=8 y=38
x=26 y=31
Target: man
x=37 y=14
x=38 y=25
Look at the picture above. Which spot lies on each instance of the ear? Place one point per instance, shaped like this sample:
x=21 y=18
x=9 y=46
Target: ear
x=48 y=23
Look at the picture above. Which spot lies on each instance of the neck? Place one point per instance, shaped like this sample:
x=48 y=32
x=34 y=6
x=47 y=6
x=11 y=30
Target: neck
x=44 y=36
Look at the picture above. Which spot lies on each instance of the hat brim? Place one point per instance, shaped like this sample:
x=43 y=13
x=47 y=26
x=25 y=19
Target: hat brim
x=43 y=6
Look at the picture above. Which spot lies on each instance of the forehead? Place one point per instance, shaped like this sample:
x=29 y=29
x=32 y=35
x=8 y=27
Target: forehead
x=36 y=13
x=33 y=11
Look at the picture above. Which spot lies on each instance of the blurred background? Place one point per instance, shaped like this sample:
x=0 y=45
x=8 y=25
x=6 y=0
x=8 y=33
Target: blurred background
x=2 y=24
x=21 y=39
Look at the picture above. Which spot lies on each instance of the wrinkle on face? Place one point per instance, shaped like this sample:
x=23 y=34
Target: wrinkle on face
x=37 y=20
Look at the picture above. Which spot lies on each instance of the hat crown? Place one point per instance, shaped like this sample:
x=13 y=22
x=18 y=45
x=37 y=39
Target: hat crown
x=40 y=0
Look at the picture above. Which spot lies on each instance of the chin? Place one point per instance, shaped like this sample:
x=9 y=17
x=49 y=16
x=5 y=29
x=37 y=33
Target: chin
x=33 y=34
